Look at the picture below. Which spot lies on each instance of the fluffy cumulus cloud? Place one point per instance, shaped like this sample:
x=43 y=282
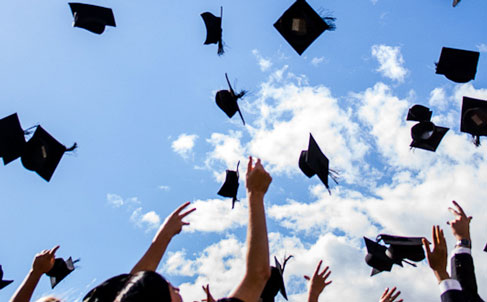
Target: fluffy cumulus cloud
x=387 y=188
x=184 y=144
x=147 y=220
x=390 y=62
x=264 y=64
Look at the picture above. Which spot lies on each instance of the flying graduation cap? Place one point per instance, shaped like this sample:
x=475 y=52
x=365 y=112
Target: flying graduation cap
x=313 y=161
x=474 y=118
x=3 y=283
x=425 y=134
x=230 y=186
x=12 y=140
x=275 y=284
x=91 y=17
x=214 y=29
x=382 y=258
x=227 y=100
x=60 y=270
x=42 y=153
x=458 y=65
x=300 y=25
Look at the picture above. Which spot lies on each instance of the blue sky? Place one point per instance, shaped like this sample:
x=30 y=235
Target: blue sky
x=139 y=100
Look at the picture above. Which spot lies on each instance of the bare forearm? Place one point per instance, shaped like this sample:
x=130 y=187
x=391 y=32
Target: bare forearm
x=153 y=256
x=26 y=289
x=258 y=247
x=313 y=297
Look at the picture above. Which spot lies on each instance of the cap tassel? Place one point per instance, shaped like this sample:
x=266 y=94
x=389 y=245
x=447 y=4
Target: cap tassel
x=476 y=140
x=72 y=148
x=221 y=51
x=330 y=21
x=286 y=260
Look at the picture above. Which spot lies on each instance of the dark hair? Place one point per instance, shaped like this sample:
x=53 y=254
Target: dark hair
x=146 y=286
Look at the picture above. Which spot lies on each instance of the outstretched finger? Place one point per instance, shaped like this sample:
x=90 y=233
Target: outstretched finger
x=324 y=271
x=187 y=213
x=395 y=296
x=53 y=250
x=385 y=293
x=327 y=275
x=454 y=212
x=249 y=165
x=181 y=207
x=459 y=208
x=317 y=271
x=307 y=277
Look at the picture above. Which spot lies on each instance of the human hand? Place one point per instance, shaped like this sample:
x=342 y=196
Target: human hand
x=209 y=297
x=318 y=282
x=389 y=296
x=437 y=259
x=174 y=223
x=44 y=261
x=460 y=226
x=258 y=179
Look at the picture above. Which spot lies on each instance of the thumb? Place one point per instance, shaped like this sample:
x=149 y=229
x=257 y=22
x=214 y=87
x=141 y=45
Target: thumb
x=306 y=277
x=470 y=218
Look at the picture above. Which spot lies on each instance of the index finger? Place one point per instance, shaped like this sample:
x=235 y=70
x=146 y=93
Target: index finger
x=53 y=250
x=459 y=208
x=181 y=207
x=249 y=165
x=317 y=271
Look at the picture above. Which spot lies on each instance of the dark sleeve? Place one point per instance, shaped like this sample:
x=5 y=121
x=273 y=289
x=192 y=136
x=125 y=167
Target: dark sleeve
x=462 y=269
x=453 y=296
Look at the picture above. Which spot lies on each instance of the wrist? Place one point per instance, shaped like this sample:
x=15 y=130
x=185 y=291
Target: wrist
x=464 y=242
x=441 y=275
x=312 y=297
x=35 y=273
x=255 y=194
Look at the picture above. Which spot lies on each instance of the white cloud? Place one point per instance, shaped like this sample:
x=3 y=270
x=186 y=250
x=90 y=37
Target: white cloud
x=184 y=144
x=164 y=188
x=115 y=200
x=482 y=47
x=264 y=64
x=438 y=98
x=391 y=62
x=317 y=61
x=149 y=220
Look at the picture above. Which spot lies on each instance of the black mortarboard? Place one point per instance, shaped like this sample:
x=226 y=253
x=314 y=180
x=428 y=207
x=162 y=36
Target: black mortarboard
x=108 y=290
x=91 y=17
x=42 y=153
x=376 y=257
x=300 y=25
x=419 y=113
x=12 y=140
x=313 y=161
x=401 y=248
x=60 y=270
x=458 y=65
x=3 y=283
x=474 y=118
x=427 y=136
x=275 y=284
x=227 y=101
x=214 y=29
x=230 y=186
x=485 y=248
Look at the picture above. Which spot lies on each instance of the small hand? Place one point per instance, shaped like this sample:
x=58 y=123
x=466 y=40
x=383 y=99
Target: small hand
x=438 y=258
x=44 y=261
x=209 y=297
x=174 y=223
x=460 y=226
x=258 y=180
x=318 y=282
x=389 y=296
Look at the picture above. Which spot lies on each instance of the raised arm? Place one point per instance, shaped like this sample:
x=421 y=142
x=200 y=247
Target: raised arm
x=43 y=262
x=318 y=282
x=172 y=226
x=257 y=269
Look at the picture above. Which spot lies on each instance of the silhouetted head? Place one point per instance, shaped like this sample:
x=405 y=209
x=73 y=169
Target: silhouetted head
x=148 y=286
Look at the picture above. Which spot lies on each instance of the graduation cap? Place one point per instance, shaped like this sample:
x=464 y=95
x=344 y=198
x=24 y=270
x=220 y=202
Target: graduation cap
x=42 y=153
x=419 y=113
x=214 y=29
x=275 y=284
x=382 y=258
x=12 y=140
x=300 y=25
x=108 y=290
x=230 y=186
x=60 y=270
x=427 y=136
x=3 y=283
x=313 y=161
x=474 y=118
x=485 y=248
x=91 y=17
x=227 y=100
x=458 y=65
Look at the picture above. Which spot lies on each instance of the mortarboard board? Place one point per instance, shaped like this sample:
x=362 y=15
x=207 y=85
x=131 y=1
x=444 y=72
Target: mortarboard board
x=419 y=113
x=214 y=29
x=376 y=257
x=108 y=290
x=458 y=65
x=227 y=100
x=12 y=140
x=91 y=17
x=3 y=283
x=427 y=136
x=300 y=25
x=42 y=153
x=474 y=118
x=275 y=284
x=60 y=270
x=313 y=161
x=230 y=186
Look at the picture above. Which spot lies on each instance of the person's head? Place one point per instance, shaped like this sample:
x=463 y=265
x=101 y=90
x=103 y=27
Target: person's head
x=148 y=286
x=49 y=299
